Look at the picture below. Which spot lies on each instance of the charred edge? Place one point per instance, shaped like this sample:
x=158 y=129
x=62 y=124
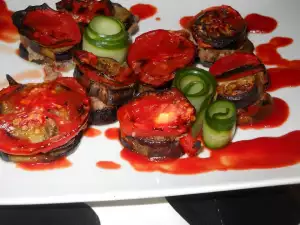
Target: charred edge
x=153 y=149
x=102 y=114
x=62 y=151
x=146 y=87
x=19 y=16
x=241 y=69
x=11 y=81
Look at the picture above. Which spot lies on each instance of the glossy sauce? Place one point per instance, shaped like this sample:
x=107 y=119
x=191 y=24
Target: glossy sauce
x=186 y=21
x=269 y=54
x=112 y=133
x=92 y=132
x=259 y=153
x=8 y=32
x=108 y=165
x=257 y=23
x=58 y=164
x=283 y=77
x=143 y=11
x=280 y=113
x=158 y=19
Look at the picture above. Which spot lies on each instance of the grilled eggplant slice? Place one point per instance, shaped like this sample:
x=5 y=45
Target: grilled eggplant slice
x=219 y=31
x=105 y=78
x=153 y=123
x=47 y=37
x=101 y=113
x=42 y=122
x=242 y=79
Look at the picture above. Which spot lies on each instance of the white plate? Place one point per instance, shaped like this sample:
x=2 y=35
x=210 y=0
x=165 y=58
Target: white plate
x=85 y=182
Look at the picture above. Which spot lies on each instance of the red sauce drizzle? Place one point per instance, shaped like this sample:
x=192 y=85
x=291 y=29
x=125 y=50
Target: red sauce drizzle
x=259 y=153
x=108 y=165
x=186 y=21
x=158 y=19
x=8 y=32
x=143 y=11
x=287 y=74
x=112 y=133
x=268 y=53
x=57 y=164
x=92 y=132
x=280 y=113
x=257 y=23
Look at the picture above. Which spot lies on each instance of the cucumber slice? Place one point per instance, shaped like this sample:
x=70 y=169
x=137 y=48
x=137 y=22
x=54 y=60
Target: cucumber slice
x=117 y=54
x=105 y=25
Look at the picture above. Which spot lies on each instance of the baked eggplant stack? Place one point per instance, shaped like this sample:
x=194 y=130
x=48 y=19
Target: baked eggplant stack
x=156 y=55
x=219 y=31
x=83 y=11
x=47 y=37
x=42 y=122
x=243 y=79
x=155 y=122
x=107 y=82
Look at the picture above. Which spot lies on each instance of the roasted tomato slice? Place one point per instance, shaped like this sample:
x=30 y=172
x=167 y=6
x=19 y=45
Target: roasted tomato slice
x=37 y=118
x=47 y=27
x=237 y=65
x=218 y=27
x=83 y=11
x=165 y=113
x=155 y=55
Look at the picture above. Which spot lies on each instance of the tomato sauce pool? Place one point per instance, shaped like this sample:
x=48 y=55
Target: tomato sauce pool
x=186 y=21
x=8 y=32
x=257 y=23
x=259 y=153
x=112 y=133
x=143 y=11
x=92 y=132
x=279 y=115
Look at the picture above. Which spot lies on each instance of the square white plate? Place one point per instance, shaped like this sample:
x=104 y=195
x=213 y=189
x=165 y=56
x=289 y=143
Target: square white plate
x=85 y=182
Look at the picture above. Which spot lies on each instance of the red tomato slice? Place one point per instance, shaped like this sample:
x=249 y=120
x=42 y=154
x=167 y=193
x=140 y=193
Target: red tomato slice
x=244 y=64
x=27 y=110
x=155 y=55
x=166 y=113
x=47 y=27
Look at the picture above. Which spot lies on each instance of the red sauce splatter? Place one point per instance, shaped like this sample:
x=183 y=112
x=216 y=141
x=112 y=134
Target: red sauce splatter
x=108 y=165
x=280 y=113
x=158 y=19
x=259 y=153
x=92 y=132
x=112 y=133
x=57 y=164
x=143 y=11
x=8 y=32
x=268 y=53
x=186 y=21
x=257 y=23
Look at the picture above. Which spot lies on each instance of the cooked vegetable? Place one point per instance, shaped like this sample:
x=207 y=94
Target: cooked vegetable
x=219 y=27
x=156 y=55
x=243 y=80
x=37 y=119
x=219 y=124
x=108 y=83
x=47 y=37
x=153 y=123
x=106 y=37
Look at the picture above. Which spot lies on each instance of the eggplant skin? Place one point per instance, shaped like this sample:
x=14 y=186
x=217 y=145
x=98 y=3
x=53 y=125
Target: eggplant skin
x=62 y=151
x=208 y=56
x=102 y=114
x=154 y=148
x=108 y=95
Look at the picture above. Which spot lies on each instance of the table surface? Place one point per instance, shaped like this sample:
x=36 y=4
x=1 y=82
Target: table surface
x=136 y=212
